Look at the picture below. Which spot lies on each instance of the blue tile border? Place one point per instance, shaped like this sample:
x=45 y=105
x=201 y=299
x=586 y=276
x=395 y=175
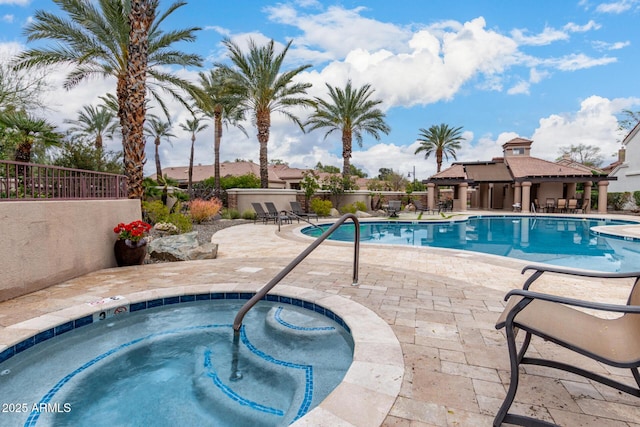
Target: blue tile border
x=21 y=346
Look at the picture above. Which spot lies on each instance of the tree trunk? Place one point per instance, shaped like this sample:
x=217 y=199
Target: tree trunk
x=217 y=115
x=140 y=18
x=193 y=141
x=347 y=147
x=439 y=160
x=263 y=123
x=159 y=177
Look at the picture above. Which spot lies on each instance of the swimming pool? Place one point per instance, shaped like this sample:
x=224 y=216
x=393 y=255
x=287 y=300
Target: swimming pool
x=561 y=241
x=171 y=363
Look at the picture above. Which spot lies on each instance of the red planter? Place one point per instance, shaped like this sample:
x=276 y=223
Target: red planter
x=130 y=253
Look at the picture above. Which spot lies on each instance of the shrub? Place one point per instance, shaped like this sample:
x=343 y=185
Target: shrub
x=202 y=210
x=230 y=214
x=361 y=206
x=155 y=211
x=636 y=197
x=321 y=207
x=617 y=200
x=350 y=208
x=181 y=221
x=249 y=214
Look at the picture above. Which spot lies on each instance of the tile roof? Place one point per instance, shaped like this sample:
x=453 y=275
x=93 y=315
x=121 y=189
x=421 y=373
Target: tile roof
x=525 y=166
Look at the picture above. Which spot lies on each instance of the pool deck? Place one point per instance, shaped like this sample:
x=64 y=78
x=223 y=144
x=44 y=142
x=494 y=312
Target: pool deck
x=453 y=369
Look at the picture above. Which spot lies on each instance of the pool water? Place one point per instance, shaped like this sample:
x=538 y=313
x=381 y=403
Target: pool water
x=174 y=365
x=560 y=241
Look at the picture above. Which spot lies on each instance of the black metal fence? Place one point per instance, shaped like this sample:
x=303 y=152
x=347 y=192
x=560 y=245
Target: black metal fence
x=28 y=181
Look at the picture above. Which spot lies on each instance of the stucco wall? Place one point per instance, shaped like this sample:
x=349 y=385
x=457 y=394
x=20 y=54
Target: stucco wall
x=44 y=243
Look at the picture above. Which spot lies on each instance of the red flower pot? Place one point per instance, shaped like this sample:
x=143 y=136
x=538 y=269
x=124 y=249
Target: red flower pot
x=130 y=253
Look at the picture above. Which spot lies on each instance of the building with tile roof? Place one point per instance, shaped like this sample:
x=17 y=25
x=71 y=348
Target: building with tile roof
x=627 y=169
x=518 y=180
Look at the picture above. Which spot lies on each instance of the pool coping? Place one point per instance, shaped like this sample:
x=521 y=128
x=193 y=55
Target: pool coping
x=371 y=384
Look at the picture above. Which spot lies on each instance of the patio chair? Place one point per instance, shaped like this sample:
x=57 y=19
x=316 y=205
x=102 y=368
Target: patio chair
x=298 y=212
x=562 y=205
x=572 y=206
x=394 y=208
x=614 y=341
x=420 y=207
x=277 y=215
x=261 y=213
x=550 y=205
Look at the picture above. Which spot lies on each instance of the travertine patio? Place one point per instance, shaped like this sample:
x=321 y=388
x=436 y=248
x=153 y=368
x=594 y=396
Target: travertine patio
x=441 y=305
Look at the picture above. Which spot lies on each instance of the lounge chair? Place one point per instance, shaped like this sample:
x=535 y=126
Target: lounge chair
x=420 y=207
x=394 y=208
x=614 y=341
x=297 y=211
x=261 y=214
x=277 y=215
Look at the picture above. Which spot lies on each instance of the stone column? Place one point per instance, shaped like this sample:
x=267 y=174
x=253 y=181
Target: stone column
x=517 y=193
x=462 y=194
x=586 y=200
x=526 y=196
x=602 y=196
x=431 y=195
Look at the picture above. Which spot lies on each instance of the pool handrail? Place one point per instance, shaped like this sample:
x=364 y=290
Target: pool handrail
x=237 y=322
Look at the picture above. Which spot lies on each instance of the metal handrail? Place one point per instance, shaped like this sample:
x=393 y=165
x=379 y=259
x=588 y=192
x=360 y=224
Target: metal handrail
x=237 y=322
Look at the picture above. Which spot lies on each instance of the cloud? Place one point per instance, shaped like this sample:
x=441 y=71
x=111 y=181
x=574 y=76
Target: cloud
x=575 y=28
x=7 y=18
x=616 y=7
x=601 y=45
x=16 y=2
x=594 y=124
x=547 y=36
x=575 y=62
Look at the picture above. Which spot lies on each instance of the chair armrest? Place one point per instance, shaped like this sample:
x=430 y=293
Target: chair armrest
x=539 y=270
x=618 y=308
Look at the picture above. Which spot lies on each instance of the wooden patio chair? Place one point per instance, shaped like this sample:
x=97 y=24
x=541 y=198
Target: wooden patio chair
x=614 y=341
x=562 y=205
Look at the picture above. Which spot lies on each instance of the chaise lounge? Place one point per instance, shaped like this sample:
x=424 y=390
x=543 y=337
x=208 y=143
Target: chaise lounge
x=297 y=211
x=613 y=340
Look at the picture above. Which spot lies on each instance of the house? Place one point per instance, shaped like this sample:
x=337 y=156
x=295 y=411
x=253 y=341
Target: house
x=280 y=176
x=627 y=169
x=517 y=179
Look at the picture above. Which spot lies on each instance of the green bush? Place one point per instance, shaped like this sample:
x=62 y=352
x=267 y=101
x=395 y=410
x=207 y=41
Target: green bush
x=617 y=200
x=181 y=221
x=249 y=214
x=361 y=206
x=636 y=197
x=321 y=207
x=230 y=214
x=155 y=211
x=351 y=208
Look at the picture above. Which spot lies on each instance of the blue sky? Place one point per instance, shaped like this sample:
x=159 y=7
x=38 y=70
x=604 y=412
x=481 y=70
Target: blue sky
x=556 y=72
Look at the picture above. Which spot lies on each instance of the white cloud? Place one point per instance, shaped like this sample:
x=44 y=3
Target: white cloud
x=575 y=62
x=519 y=88
x=7 y=18
x=575 y=28
x=594 y=124
x=616 y=7
x=547 y=36
x=601 y=45
x=16 y=2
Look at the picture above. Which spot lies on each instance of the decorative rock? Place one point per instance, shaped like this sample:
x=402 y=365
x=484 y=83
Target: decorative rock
x=334 y=213
x=361 y=214
x=182 y=247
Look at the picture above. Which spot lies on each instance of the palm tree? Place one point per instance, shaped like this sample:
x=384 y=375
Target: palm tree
x=193 y=126
x=216 y=99
x=265 y=89
x=119 y=38
x=442 y=139
x=158 y=129
x=94 y=122
x=352 y=112
x=29 y=131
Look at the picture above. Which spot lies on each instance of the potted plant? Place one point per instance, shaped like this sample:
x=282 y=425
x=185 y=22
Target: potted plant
x=131 y=246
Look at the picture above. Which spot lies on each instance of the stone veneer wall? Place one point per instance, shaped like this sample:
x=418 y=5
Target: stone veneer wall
x=48 y=242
